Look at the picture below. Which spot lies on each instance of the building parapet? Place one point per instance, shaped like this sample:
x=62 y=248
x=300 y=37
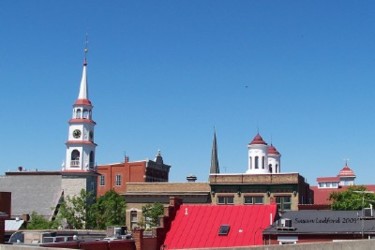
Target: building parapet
x=157 y=187
x=279 y=178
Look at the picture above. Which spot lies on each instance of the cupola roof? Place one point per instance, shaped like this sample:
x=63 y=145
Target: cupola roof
x=346 y=172
x=258 y=140
x=272 y=150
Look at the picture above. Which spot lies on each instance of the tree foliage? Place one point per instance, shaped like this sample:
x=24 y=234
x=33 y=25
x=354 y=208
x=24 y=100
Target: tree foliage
x=109 y=210
x=76 y=210
x=354 y=198
x=38 y=221
x=151 y=212
x=83 y=211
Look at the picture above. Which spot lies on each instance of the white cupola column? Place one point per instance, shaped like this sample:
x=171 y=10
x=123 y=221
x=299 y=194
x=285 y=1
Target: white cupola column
x=274 y=160
x=257 y=156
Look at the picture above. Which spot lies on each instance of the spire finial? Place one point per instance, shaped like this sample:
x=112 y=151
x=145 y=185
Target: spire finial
x=346 y=161
x=86 y=50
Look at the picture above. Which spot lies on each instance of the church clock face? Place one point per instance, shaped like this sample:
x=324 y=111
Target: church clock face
x=77 y=133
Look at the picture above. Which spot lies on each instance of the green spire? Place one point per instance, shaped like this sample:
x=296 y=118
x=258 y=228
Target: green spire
x=214 y=158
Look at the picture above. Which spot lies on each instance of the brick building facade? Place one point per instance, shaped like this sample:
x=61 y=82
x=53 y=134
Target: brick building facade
x=286 y=189
x=116 y=176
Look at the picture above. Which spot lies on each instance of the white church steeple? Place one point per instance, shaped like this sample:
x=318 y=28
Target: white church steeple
x=80 y=147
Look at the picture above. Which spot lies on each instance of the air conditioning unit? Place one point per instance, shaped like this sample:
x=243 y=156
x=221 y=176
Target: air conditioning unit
x=367 y=212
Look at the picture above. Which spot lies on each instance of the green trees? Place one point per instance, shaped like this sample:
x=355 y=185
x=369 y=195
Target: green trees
x=109 y=210
x=76 y=210
x=354 y=198
x=83 y=211
x=37 y=221
x=151 y=212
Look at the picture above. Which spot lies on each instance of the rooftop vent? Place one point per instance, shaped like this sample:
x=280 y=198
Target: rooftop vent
x=285 y=224
x=224 y=230
x=191 y=178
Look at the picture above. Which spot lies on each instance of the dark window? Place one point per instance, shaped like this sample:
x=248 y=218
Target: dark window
x=256 y=162
x=102 y=180
x=284 y=203
x=263 y=162
x=225 y=200
x=253 y=200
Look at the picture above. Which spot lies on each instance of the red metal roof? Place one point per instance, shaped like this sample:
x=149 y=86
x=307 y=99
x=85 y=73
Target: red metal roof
x=328 y=179
x=258 y=140
x=321 y=195
x=197 y=226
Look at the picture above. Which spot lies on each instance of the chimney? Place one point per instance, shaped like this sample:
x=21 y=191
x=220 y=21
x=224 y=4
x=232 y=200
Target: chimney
x=138 y=238
x=126 y=158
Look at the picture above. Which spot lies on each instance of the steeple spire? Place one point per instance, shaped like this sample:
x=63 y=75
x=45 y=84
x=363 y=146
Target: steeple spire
x=214 y=157
x=83 y=89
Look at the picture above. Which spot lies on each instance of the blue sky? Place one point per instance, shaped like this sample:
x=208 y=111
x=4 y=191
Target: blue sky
x=163 y=74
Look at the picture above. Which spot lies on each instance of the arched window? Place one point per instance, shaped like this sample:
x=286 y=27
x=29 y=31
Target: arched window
x=133 y=219
x=74 y=158
x=270 y=167
x=75 y=155
x=256 y=162
x=78 y=114
x=85 y=114
x=263 y=162
x=92 y=159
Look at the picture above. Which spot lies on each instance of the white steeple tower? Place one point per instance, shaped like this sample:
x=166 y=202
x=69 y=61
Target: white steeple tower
x=80 y=147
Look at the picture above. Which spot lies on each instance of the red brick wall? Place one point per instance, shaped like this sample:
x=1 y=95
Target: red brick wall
x=136 y=171
x=129 y=171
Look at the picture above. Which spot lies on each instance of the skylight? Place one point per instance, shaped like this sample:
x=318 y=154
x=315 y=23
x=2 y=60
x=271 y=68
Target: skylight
x=224 y=230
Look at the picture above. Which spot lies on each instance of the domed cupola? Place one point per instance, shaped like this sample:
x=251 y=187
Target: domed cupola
x=257 y=156
x=346 y=176
x=273 y=159
x=258 y=140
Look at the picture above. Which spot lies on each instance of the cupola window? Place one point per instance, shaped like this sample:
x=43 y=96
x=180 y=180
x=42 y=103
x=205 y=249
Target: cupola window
x=256 y=162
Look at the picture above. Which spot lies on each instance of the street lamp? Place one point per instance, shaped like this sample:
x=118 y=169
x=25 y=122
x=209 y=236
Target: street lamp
x=363 y=192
